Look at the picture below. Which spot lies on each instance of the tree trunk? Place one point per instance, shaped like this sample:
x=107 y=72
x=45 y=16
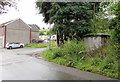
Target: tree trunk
x=62 y=40
x=58 y=44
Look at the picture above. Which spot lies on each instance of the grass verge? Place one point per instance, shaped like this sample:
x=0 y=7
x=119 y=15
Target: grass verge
x=103 y=61
x=52 y=44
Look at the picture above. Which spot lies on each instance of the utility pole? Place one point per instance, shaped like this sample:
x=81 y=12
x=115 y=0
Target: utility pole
x=94 y=15
x=49 y=28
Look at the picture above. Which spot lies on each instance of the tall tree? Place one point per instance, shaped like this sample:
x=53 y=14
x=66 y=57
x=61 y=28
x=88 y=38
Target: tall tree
x=112 y=11
x=6 y=3
x=71 y=19
x=115 y=9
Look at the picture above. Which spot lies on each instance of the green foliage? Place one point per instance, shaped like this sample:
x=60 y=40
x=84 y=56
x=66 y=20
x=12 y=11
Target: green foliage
x=100 y=24
x=114 y=9
x=60 y=60
x=65 y=16
x=103 y=60
x=117 y=22
x=46 y=32
x=50 y=32
x=71 y=19
x=102 y=21
x=48 y=54
x=41 y=44
x=42 y=33
x=6 y=3
x=69 y=51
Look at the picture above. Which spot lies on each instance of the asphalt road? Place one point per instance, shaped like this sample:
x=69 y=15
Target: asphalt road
x=21 y=64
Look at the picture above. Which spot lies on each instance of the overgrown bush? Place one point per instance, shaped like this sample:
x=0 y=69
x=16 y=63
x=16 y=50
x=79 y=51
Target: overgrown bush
x=103 y=60
x=69 y=51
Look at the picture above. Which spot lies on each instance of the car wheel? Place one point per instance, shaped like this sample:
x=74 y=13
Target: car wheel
x=21 y=46
x=10 y=47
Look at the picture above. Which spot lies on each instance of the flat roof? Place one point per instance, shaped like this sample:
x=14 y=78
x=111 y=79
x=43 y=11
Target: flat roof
x=96 y=34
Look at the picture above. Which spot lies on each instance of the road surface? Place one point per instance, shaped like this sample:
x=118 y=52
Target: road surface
x=20 y=64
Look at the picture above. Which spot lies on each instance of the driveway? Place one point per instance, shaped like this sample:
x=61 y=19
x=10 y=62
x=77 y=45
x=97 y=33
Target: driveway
x=19 y=64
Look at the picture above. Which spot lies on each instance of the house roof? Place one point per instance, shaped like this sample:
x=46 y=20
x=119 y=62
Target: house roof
x=8 y=22
x=34 y=28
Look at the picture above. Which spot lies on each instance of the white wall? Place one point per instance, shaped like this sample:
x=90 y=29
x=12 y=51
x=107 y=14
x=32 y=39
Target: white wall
x=1 y=37
x=44 y=37
x=93 y=42
x=35 y=35
x=1 y=41
x=18 y=31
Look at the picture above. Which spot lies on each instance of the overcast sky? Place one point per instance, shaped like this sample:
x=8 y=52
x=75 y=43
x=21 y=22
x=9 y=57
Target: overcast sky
x=26 y=11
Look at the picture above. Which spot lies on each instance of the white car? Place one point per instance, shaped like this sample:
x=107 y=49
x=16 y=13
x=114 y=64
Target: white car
x=45 y=41
x=14 y=45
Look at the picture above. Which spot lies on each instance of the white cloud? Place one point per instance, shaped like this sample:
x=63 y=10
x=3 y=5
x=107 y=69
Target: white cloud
x=26 y=11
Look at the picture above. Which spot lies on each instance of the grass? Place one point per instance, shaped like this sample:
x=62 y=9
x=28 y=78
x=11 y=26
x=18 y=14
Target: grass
x=103 y=60
x=52 y=44
x=44 y=30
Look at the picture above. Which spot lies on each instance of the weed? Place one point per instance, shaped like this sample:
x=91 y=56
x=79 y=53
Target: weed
x=103 y=60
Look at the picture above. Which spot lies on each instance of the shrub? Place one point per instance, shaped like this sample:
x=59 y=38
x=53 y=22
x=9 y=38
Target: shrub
x=60 y=60
x=103 y=60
